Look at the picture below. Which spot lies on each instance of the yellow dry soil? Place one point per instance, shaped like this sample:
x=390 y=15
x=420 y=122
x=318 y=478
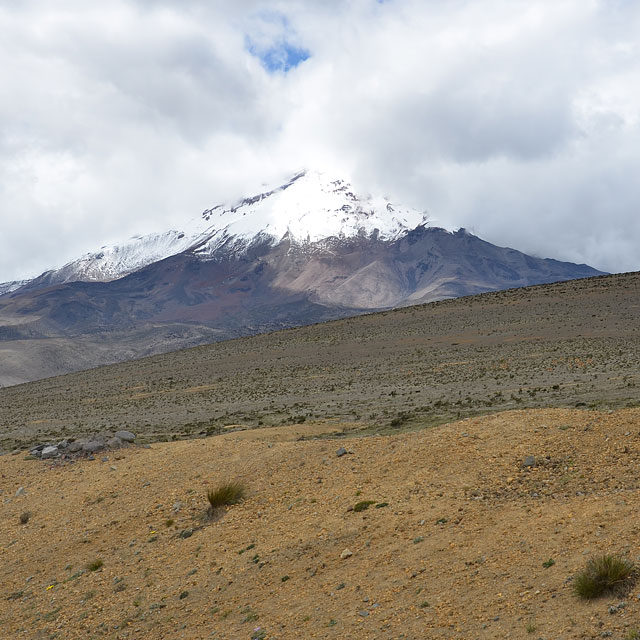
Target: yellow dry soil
x=457 y=552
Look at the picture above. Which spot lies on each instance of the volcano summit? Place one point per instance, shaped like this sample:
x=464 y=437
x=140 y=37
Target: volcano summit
x=312 y=249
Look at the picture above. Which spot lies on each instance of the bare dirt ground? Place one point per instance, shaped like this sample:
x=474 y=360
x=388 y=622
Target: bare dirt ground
x=469 y=543
x=560 y=345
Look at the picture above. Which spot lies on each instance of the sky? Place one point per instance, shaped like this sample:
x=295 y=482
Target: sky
x=518 y=120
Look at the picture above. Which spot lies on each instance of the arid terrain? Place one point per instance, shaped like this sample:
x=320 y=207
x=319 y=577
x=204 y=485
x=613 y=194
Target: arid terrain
x=497 y=439
x=565 y=344
x=460 y=541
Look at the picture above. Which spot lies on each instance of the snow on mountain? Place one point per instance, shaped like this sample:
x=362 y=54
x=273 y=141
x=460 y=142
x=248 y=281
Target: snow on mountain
x=9 y=287
x=111 y=263
x=310 y=207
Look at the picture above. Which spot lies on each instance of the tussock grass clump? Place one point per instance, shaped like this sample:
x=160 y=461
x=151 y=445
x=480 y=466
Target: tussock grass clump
x=95 y=565
x=602 y=573
x=227 y=493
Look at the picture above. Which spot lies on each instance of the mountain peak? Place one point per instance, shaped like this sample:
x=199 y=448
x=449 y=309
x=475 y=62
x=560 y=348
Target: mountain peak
x=311 y=206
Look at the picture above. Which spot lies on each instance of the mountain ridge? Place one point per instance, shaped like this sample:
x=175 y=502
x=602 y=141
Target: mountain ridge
x=281 y=212
x=309 y=251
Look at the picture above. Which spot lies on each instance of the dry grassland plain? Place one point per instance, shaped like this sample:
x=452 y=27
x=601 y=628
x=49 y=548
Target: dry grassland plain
x=437 y=406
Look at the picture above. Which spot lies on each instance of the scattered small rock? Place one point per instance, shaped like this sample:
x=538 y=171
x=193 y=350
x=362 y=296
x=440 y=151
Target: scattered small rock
x=125 y=436
x=20 y=492
x=346 y=554
x=340 y=452
x=529 y=461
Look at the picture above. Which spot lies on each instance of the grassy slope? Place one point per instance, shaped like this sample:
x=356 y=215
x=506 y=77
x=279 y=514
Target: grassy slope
x=551 y=345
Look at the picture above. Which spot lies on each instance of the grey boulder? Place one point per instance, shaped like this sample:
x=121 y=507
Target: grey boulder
x=92 y=447
x=49 y=452
x=126 y=436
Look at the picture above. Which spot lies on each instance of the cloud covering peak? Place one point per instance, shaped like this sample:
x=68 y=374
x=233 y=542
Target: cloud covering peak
x=517 y=120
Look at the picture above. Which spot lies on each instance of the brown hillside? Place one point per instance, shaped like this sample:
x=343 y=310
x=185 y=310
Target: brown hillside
x=552 y=345
x=458 y=552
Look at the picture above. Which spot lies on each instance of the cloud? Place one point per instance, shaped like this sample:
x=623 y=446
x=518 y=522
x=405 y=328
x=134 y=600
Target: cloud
x=518 y=120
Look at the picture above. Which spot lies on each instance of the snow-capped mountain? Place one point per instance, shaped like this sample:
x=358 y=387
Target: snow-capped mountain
x=310 y=250
x=308 y=208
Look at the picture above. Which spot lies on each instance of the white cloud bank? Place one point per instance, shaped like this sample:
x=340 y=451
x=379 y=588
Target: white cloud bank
x=517 y=120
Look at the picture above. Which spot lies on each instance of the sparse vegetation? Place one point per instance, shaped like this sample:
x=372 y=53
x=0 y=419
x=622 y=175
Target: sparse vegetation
x=95 y=565
x=363 y=505
x=225 y=494
x=602 y=574
x=462 y=379
x=548 y=563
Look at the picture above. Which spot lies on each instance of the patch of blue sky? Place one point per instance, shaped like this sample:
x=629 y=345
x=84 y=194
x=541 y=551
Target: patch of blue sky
x=273 y=42
x=283 y=57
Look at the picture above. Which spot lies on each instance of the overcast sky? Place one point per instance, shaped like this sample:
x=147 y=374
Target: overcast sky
x=516 y=120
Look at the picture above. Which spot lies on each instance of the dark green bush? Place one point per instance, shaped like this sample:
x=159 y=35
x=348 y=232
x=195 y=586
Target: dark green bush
x=363 y=505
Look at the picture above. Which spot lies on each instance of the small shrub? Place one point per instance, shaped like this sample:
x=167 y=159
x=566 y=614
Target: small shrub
x=601 y=573
x=251 y=616
x=363 y=505
x=95 y=565
x=548 y=563
x=225 y=494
